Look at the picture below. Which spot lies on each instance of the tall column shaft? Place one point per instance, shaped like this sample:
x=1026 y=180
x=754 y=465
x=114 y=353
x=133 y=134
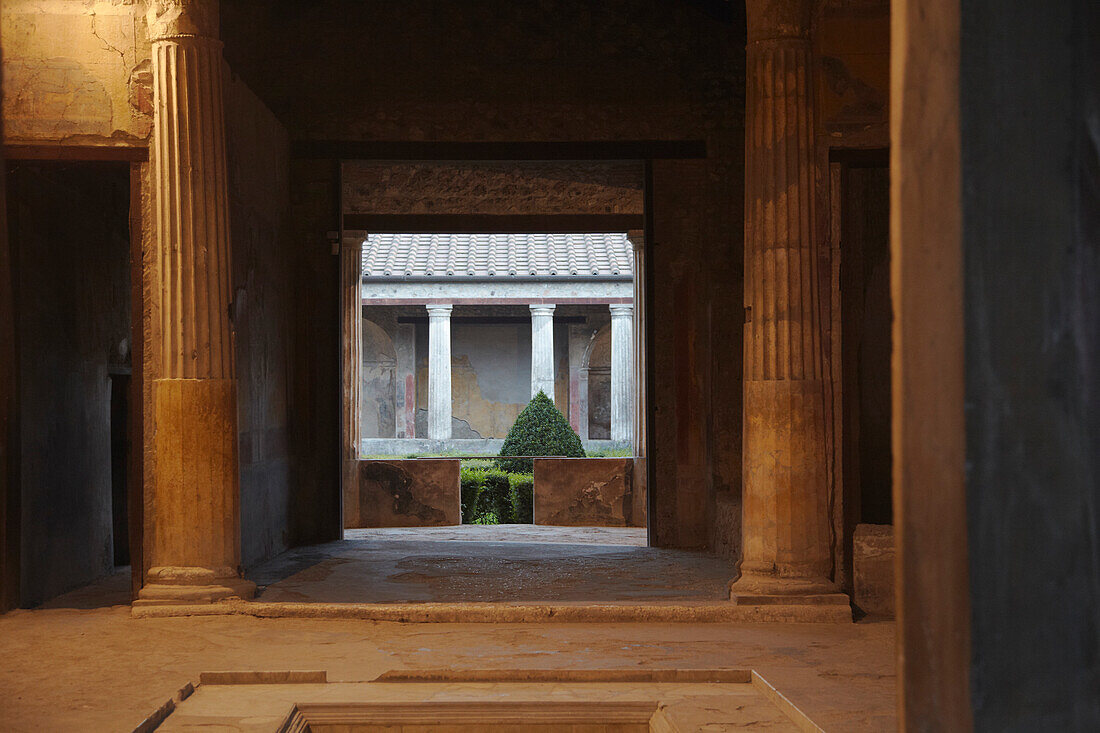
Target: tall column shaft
x=785 y=513
x=622 y=372
x=351 y=315
x=542 y=350
x=637 y=241
x=194 y=548
x=439 y=372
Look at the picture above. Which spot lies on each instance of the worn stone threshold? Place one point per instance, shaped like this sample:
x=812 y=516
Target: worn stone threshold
x=504 y=612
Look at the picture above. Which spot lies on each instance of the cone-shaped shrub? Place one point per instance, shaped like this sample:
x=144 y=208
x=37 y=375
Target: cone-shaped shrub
x=540 y=430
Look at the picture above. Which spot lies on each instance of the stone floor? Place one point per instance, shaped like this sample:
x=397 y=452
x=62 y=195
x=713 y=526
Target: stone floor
x=470 y=563
x=83 y=662
x=72 y=669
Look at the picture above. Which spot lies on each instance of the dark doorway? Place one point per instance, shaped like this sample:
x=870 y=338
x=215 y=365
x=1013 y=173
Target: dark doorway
x=70 y=244
x=864 y=183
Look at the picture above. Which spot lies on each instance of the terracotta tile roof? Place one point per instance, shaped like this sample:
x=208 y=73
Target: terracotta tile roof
x=497 y=255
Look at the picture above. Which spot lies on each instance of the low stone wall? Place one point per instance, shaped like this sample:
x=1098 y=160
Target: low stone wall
x=587 y=492
x=873 y=560
x=422 y=492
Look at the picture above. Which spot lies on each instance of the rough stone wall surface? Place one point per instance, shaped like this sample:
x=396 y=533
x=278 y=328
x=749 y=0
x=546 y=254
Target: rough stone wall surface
x=405 y=493
x=257 y=148
x=517 y=187
x=76 y=72
x=873 y=560
x=564 y=70
x=585 y=492
x=70 y=235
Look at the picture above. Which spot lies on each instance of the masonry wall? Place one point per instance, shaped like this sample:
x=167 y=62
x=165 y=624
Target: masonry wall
x=257 y=149
x=70 y=240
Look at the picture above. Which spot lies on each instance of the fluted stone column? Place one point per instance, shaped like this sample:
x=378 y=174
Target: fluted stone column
x=786 y=527
x=637 y=241
x=622 y=372
x=351 y=310
x=193 y=528
x=439 y=372
x=542 y=350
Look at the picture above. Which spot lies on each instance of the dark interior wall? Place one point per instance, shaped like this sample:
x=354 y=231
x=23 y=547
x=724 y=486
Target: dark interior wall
x=1030 y=121
x=865 y=334
x=69 y=231
x=562 y=70
x=257 y=148
x=315 y=362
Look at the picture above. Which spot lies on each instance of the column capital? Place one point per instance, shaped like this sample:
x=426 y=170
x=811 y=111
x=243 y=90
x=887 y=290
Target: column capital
x=621 y=310
x=175 y=19
x=542 y=309
x=439 y=310
x=636 y=237
x=768 y=20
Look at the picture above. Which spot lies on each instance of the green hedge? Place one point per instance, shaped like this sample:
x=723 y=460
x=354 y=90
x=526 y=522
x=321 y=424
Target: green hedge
x=540 y=430
x=491 y=496
x=496 y=496
x=523 y=497
x=470 y=486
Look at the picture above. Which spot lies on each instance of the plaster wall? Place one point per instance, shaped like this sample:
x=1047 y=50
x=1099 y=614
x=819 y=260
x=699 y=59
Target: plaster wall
x=490 y=375
x=69 y=231
x=257 y=147
x=76 y=72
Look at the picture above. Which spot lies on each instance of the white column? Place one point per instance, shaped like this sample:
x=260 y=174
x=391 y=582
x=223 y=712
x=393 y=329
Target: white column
x=542 y=350
x=622 y=372
x=439 y=372
x=637 y=239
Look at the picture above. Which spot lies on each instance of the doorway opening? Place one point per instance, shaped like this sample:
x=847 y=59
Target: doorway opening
x=479 y=345
x=71 y=238
x=860 y=186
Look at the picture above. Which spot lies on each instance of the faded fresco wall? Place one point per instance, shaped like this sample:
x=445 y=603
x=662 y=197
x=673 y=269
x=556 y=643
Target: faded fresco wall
x=377 y=394
x=490 y=375
x=69 y=230
x=76 y=72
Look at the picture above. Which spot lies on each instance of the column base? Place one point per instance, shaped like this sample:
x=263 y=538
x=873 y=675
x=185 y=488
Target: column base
x=181 y=586
x=816 y=598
